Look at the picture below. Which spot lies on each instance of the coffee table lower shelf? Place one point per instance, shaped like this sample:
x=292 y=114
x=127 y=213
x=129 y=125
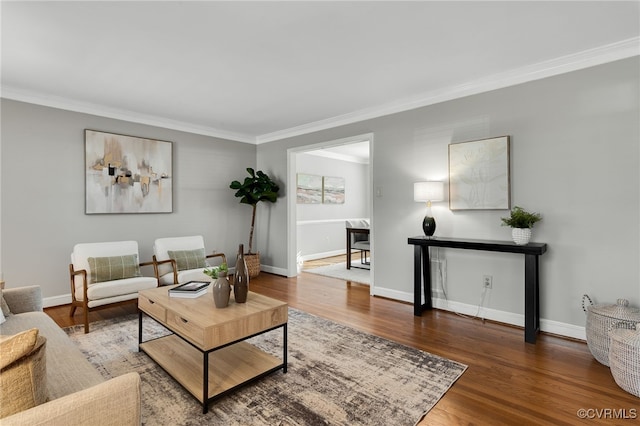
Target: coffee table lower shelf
x=228 y=367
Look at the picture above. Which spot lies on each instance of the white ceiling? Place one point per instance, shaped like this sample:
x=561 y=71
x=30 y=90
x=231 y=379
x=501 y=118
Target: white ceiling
x=259 y=71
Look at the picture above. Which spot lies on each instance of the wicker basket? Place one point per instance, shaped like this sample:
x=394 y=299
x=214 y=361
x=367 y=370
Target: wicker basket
x=624 y=358
x=601 y=320
x=253 y=264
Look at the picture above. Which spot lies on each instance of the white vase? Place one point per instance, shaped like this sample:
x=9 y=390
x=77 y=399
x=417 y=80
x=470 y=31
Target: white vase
x=521 y=236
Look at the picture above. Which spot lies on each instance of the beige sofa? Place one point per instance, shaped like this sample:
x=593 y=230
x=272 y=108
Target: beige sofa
x=77 y=393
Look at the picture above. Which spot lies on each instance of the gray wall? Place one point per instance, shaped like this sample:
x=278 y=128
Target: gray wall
x=43 y=194
x=321 y=227
x=574 y=158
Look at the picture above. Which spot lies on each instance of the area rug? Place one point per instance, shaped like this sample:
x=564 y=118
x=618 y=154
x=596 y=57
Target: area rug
x=336 y=376
x=340 y=271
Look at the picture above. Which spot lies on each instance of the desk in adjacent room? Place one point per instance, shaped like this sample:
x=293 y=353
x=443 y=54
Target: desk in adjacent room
x=531 y=251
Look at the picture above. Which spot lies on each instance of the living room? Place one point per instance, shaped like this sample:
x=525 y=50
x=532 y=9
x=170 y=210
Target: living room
x=574 y=157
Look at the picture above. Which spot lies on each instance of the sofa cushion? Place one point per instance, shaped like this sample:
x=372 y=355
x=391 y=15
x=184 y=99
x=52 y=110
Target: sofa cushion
x=123 y=287
x=23 y=372
x=68 y=370
x=113 y=268
x=188 y=259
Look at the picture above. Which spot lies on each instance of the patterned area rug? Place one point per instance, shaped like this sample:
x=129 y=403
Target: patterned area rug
x=336 y=376
x=339 y=270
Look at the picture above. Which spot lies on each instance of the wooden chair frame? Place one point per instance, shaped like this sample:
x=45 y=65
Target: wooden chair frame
x=84 y=304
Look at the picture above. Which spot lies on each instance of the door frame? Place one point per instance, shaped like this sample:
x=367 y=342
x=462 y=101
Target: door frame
x=292 y=232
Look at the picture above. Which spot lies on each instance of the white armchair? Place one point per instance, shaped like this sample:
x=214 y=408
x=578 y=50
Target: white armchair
x=178 y=260
x=106 y=274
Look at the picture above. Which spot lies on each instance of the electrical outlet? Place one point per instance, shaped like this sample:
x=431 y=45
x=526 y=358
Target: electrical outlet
x=487 y=281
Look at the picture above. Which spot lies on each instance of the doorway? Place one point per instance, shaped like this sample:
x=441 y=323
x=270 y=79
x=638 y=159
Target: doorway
x=324 y=224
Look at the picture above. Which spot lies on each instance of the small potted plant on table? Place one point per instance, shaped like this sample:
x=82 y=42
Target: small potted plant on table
x=221 y=287
x=521 y=222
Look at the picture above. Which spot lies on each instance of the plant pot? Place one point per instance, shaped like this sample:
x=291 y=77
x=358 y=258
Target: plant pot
x=221 y=291
x=253 y=264
x=521 y=236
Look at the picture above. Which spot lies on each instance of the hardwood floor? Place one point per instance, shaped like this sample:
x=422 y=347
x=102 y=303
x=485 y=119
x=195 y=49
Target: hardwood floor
x=508 y=382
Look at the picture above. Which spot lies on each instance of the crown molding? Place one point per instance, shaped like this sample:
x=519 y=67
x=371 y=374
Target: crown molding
x=577 y=61
x=16 y=94
x=585 y=59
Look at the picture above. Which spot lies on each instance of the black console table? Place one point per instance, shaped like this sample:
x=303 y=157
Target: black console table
x=531 y=251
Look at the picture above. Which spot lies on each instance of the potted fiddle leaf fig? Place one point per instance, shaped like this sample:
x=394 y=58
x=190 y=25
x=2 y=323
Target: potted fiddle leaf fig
x=521 y=222
x=255 y=188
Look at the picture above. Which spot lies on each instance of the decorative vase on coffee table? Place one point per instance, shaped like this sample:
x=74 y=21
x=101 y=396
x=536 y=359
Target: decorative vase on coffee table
x=221 y=291
x=241 y=277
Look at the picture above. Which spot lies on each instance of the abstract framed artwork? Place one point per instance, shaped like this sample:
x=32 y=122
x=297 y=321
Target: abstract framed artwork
x=127 y=174
x=332 y=190
x=308 y=189
x=479 y=175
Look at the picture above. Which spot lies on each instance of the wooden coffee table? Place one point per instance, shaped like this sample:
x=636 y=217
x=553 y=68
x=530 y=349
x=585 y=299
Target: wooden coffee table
x=200 y=330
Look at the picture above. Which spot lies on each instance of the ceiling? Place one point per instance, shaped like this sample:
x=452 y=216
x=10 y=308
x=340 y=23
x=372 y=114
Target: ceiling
x=260 y=71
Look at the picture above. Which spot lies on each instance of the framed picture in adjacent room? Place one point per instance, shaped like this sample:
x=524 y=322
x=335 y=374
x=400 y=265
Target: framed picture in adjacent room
x=332 y=190
x=308 y=189
x=127 y=174
x=479 y=175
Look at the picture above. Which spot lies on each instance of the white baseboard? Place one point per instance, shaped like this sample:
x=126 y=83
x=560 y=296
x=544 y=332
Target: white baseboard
x=393 y=294
x=549 y=326
x=64 y=299
x=315 y=256
x=273 y=270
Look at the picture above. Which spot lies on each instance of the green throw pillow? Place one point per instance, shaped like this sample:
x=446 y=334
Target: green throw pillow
x=113 y=268
x=188 y=259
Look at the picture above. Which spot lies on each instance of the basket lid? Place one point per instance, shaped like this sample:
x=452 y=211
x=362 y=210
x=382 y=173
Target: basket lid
x=627 y=336
x=621 y=310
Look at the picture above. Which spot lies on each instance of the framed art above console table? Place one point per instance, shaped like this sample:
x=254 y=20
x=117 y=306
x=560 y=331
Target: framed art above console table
x=479 y=175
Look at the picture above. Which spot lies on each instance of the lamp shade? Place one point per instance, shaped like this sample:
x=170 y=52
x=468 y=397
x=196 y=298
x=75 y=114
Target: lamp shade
x=428 y=191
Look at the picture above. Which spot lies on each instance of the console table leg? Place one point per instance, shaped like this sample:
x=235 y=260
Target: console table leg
x=421 y=271
x=531 y=298
x=426 y=275
x=417 y=280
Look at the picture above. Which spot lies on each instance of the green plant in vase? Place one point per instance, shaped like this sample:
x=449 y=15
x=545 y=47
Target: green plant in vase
x=521 y=222
x=216 y=272
x=220 y=286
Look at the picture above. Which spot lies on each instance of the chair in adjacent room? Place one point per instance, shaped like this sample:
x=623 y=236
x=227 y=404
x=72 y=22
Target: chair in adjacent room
x=106 y=274
x=178 y=260
x=358 y=235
